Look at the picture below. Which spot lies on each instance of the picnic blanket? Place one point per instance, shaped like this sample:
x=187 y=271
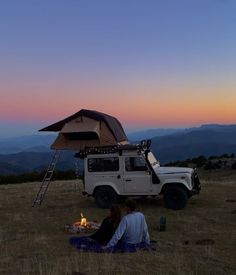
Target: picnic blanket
x=88 y=245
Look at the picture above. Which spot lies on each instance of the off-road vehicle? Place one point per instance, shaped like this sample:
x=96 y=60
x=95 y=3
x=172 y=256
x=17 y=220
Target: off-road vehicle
x=112 y=173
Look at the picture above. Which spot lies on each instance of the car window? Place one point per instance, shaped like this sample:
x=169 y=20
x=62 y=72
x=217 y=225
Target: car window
x=103 y=164
x=135 y=164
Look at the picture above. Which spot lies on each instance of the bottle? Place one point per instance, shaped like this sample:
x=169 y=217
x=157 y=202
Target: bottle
x=162 y=223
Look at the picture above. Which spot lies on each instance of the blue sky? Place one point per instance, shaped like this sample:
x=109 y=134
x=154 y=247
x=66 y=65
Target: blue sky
x=149 y=63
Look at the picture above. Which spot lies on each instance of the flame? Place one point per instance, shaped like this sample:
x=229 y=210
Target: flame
x=82 y=223
x=83 y=220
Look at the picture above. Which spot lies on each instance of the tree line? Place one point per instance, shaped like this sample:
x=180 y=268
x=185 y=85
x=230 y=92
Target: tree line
x=226 y=161
x=37 y=176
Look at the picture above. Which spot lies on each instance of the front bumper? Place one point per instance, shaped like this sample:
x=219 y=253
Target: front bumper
x=196 y=184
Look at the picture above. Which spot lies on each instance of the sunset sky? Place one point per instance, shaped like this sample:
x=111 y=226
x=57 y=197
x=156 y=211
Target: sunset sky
x=150 y=63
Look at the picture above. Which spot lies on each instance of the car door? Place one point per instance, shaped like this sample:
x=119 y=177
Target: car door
x=103 y=170
x=137 y=177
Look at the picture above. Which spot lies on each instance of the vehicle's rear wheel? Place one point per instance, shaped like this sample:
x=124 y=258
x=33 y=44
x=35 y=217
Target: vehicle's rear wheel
x=175 y=197
x=105 y=196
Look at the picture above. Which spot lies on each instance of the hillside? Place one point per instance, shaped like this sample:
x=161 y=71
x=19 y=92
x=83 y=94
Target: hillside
x=31 y=143
x=41 y=143
x=206 y=140
x=34 y=161
x=151 y=133
x=33 y=240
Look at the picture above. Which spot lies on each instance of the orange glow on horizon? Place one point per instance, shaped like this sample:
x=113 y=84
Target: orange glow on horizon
x=139 y=108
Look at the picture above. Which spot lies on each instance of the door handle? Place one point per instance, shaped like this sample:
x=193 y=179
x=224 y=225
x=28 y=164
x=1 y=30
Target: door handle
x=128 y=180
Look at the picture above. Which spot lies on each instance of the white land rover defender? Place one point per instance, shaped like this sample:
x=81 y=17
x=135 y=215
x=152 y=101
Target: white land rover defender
x=111 y=173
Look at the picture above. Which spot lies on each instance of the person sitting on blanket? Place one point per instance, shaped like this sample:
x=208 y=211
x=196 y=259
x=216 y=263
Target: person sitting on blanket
x=108 y=226
x=132 y=228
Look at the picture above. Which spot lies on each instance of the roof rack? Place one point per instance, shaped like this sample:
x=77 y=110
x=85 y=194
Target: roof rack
x=143 y=145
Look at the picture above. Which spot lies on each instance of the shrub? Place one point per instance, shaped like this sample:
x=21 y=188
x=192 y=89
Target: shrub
x=199 y=161
x=233 y=165
x=212 y=165
x=37 y=176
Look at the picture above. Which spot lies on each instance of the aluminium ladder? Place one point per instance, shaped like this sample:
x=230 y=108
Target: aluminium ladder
x=47 y=179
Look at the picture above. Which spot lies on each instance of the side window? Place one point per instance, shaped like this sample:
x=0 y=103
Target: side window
x=103 y=164
x=135 y=164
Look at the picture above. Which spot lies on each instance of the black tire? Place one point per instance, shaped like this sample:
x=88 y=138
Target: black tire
x=175 y=197
x=105 y=196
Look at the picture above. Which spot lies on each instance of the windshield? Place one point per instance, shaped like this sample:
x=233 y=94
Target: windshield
x=152 y=159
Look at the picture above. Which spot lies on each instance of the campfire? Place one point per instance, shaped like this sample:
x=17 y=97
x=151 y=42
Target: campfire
x=83 y=225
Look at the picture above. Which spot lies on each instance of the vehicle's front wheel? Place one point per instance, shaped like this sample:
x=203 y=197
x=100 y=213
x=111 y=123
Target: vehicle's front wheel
x=105 y=196
x=175 y=197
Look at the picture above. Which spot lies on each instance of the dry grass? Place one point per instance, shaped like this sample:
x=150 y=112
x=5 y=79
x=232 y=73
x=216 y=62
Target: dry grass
x=32 y=240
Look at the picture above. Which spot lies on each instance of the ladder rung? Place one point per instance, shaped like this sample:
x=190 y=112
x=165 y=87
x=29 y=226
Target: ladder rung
x=50 y=171
x=42 y=191
x=45 y=184
x=43 y=187
x=47 y=178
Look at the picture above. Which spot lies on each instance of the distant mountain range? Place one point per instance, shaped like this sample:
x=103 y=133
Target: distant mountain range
x=206 y=140
x=32 y=143
x=150 y=133
x=32 y=153
x=25 y=162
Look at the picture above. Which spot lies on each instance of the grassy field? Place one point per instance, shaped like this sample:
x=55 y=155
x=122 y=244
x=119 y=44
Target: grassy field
x=201 y=239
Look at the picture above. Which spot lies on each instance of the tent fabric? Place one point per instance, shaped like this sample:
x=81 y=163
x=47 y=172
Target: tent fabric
x=87 y=125
x=112 y=123
x=87 y=128
x=65 y=141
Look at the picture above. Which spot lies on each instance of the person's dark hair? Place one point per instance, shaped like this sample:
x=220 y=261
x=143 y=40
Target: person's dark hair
x=131 y=204
x=115 y=215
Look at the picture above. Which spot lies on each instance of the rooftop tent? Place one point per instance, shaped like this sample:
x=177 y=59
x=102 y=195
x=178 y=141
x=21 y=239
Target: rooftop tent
x=87 y=128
